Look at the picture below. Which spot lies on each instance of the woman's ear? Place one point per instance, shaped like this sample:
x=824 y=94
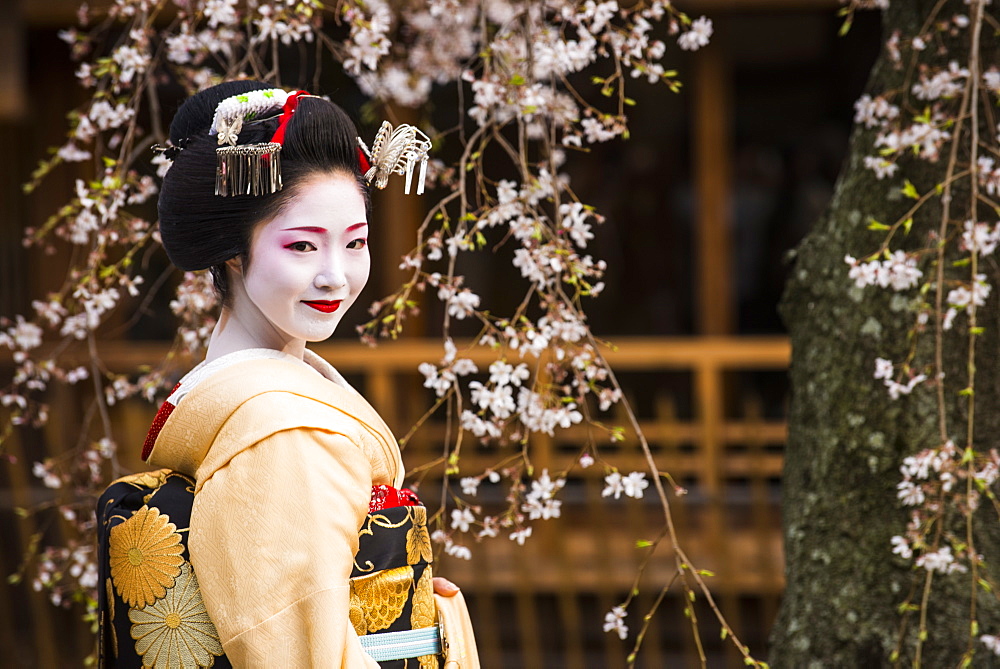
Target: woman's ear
x=235 y=264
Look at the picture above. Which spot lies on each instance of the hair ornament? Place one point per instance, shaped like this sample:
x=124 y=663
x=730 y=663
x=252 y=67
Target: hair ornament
x=229 y=131
x=247 y=169
x=168 y=150
x=397 y=152
x=246 y=107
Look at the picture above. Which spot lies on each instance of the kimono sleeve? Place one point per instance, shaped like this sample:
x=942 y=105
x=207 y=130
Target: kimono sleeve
x=273 y=538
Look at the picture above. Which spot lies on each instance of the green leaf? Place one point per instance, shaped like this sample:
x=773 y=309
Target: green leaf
x=907 y=224
x=629 y=101
x=978 y=330
x=962 y=263
x=724 y=633
x=985 y=585
x=706 y=572
x=966 y=392
x=643 y=543
x=909 y=190
x=517 y=80
x=875 y=225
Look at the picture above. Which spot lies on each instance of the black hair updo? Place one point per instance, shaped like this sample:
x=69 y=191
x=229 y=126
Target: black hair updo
x=201 y=230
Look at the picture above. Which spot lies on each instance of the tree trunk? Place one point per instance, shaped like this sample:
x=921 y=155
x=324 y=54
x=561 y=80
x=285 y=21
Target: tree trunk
x=847 y=438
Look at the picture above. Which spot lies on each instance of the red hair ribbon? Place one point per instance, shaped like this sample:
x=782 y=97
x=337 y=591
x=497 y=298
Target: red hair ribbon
x=286 y=115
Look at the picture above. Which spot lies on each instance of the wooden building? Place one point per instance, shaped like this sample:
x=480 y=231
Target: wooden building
x=703 y=204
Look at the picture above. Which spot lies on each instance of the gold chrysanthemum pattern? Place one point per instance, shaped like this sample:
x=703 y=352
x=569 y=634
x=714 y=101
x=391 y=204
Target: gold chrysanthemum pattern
x=418 y=541
x=145 y=556
x=176 y=632
x=382 y=596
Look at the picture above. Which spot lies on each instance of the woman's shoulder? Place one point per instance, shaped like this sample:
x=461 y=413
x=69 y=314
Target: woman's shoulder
x=244 y=402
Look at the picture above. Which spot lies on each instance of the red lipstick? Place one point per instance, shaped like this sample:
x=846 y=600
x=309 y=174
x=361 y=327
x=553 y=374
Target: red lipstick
x=326 y=306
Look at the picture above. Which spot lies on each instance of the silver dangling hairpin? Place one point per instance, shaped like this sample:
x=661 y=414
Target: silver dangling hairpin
x=397 y=152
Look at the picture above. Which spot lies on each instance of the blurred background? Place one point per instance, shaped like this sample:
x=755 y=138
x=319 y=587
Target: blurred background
x=703 y=204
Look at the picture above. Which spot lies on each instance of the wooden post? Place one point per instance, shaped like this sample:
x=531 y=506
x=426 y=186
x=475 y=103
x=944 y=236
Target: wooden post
x=714 y=303
x=12 y=112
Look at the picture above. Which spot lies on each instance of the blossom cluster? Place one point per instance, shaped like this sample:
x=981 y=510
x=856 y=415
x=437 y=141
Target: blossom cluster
x=898 y=271
x=933 y=475
x=884 y=371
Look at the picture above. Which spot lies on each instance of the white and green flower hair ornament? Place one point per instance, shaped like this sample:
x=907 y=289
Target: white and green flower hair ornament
x=234 y=111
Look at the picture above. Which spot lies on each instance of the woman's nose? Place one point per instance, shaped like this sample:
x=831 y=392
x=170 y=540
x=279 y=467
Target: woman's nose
x=330 y=275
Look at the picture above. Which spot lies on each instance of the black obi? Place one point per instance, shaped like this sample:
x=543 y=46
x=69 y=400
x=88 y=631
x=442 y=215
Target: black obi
x=151 y=610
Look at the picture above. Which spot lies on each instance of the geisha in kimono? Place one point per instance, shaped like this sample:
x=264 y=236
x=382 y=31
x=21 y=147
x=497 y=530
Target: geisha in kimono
x=273 y=531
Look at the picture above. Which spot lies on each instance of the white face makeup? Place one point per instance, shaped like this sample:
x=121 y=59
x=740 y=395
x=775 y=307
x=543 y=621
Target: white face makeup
x=307 y=266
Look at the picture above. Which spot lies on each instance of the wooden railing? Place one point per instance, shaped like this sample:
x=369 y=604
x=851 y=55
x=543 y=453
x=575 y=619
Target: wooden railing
x=542 y=604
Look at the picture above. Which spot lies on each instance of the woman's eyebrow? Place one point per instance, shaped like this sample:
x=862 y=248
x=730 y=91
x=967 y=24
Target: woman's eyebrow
x=357 y=225
x=320 y=231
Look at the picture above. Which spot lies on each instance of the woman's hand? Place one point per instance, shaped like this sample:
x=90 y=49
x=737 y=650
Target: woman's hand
x=444 y=587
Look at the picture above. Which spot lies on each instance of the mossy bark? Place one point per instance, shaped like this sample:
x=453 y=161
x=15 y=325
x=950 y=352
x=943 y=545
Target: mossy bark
x=847 y=438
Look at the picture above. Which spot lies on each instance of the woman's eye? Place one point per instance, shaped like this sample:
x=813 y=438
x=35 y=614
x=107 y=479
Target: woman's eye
x=301 y=246
x=358 y=244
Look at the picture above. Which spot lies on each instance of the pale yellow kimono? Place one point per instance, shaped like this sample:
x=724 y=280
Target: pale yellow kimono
x=284 y=453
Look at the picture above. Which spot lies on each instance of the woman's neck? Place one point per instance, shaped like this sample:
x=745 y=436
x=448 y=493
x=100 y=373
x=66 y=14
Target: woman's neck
x=231 y=334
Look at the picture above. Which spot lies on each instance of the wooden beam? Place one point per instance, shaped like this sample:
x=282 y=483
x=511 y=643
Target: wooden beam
x=632 y=353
